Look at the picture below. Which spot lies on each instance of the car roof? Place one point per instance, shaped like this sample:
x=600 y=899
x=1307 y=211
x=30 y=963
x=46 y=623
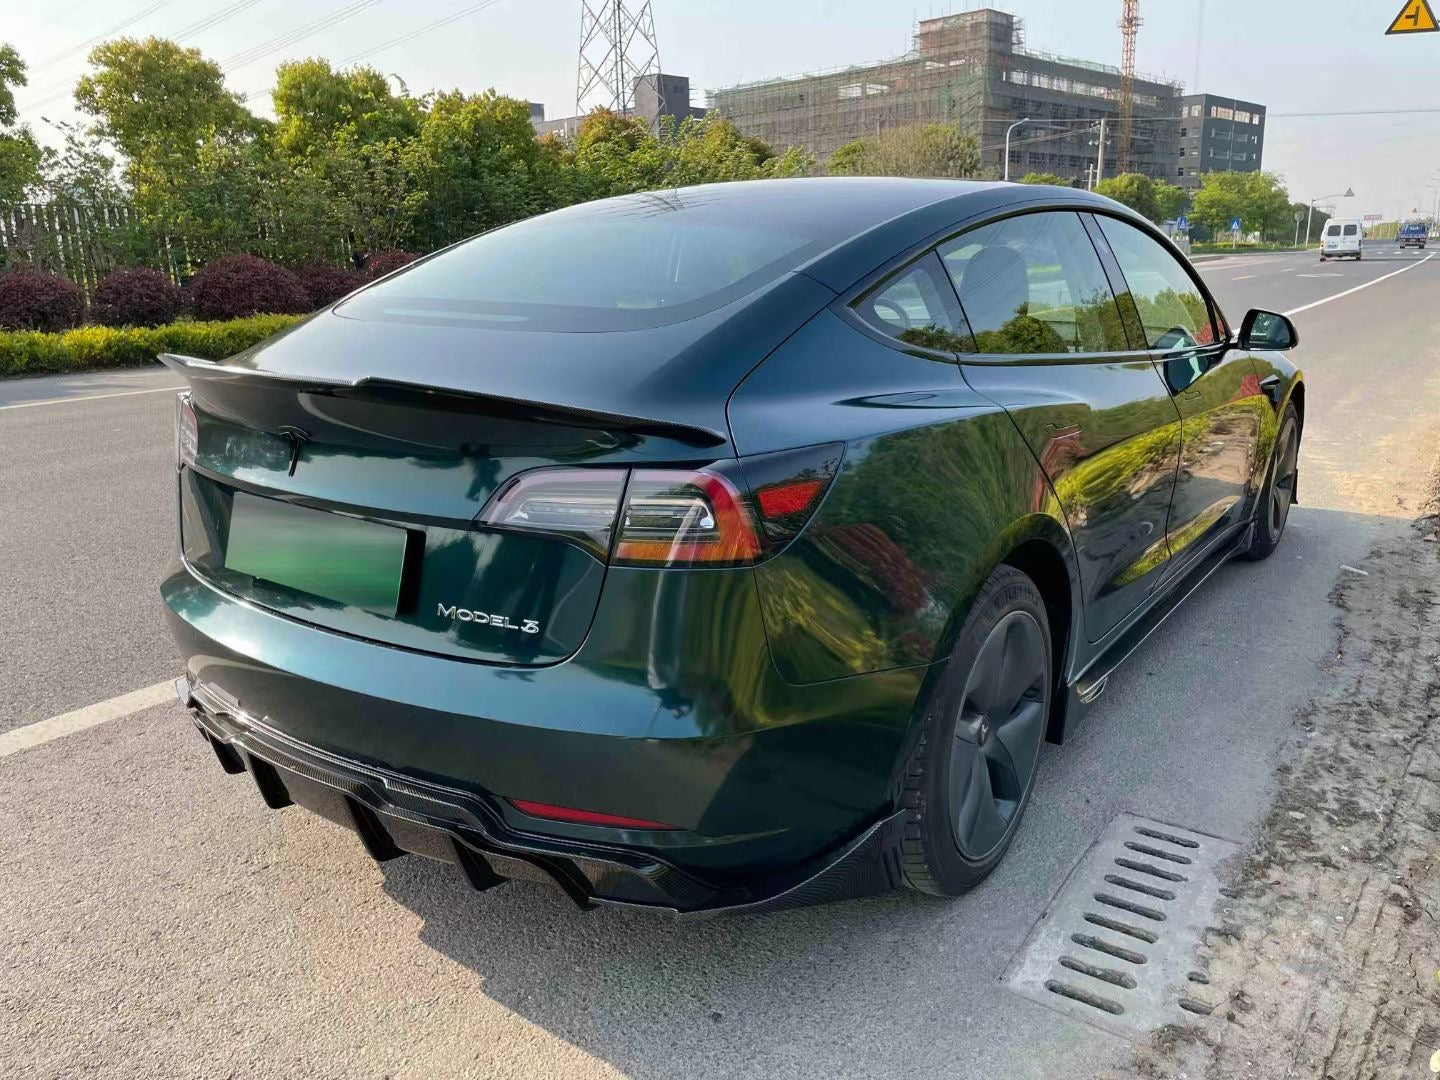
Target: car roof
x=887 y=216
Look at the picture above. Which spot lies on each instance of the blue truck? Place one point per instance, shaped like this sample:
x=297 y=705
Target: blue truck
x=1413 y=234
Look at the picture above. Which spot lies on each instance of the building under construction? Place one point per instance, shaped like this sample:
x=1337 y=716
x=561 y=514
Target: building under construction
x=971 y=70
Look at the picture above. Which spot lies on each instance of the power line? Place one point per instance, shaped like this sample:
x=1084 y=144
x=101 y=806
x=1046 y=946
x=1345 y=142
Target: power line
x=413 y=34
x=213 y=20
x=184 y=34
x=122 y=25
x=400 y=40
x=275 y=44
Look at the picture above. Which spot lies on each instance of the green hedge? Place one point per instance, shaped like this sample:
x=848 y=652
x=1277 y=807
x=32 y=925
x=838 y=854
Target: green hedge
x=30 y=352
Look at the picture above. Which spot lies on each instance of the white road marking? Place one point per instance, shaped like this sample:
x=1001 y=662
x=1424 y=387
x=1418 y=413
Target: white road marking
x=1323 y=273
x=1242 y=277
x=1357 y=288
x=44 y=731
x=90 y=397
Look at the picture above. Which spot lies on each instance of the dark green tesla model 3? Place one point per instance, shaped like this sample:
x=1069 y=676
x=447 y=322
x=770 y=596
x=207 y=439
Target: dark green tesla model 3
x=725 y=548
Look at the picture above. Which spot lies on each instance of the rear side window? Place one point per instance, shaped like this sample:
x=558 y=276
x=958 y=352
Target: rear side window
x=1173 y=312
x=915 y=307
x=1333 y=230
x=1034 y=284
x=1351 y=230
x=618 y=264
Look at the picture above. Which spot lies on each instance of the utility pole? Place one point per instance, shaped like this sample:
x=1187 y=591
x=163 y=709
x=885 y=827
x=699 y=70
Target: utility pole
x=1100 y=158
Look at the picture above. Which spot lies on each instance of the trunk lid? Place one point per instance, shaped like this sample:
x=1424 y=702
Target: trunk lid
x=353 y=508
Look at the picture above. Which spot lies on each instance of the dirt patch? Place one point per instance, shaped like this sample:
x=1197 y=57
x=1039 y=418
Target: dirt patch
x=1324 y=954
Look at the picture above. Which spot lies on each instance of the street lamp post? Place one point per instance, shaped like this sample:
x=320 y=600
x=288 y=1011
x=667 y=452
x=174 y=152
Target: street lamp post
x=1008 y=130
x=1348 y=193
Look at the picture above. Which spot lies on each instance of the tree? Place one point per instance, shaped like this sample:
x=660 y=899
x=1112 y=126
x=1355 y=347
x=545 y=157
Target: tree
x=615 y=155
x=83 y=171
x=1171 y=200
x=917 y=150
x=314 y=104
x=479 y=165
x=1258 y=199
x=20 y=154
x=1135 y=190
x=159 y=102
x=1045 y=178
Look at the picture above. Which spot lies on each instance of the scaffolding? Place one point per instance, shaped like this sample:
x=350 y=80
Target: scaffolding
x=970 y=70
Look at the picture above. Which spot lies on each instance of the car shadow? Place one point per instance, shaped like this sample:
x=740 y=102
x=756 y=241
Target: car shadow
x=1190 y=731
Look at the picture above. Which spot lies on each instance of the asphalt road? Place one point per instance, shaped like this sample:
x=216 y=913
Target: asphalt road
x=157 y=921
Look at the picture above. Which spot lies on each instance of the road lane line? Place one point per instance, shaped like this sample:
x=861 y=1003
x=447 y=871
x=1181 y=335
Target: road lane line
x=90 y=397
x=1242 y=277
x=44 y=731
x=1357 y=288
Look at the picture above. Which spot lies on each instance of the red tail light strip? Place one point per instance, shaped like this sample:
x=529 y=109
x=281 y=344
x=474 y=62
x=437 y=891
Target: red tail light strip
x=584 y=817
x=782 y=499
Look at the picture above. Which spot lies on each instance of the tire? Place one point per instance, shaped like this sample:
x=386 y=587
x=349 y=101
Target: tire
x=1272 y=510
x=969 y=779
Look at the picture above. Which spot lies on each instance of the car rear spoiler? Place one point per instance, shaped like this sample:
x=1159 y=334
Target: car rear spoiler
x=200 y=373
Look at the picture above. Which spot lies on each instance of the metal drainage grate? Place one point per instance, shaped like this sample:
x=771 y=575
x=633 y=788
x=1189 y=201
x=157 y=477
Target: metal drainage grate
x=1116 y=947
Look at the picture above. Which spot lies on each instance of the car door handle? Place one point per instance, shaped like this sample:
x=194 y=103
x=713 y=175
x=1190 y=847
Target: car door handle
x=1271 y=385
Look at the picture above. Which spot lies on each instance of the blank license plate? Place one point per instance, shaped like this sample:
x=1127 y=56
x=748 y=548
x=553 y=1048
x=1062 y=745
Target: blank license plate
x=351 y=562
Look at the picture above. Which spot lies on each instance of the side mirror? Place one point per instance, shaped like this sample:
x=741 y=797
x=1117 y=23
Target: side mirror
x=1267 y=330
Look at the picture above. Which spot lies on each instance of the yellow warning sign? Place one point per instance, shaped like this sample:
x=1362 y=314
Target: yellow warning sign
x=1414 y=18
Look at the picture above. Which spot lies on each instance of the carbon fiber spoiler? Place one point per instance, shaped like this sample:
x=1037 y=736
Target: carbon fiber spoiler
x=198 y=371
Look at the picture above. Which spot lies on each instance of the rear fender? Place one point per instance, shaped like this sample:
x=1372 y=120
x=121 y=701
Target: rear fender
x=936 y=488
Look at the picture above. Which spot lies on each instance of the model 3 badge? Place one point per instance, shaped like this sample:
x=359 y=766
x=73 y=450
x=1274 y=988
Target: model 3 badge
x=460 y=614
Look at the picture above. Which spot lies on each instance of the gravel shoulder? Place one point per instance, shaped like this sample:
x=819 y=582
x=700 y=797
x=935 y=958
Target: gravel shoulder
x=1324 y=959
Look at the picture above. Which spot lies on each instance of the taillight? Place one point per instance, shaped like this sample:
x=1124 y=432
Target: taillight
x=727 y=514
x=187 y=431
x=573 y=504
x=675 y=518
x=569 y=814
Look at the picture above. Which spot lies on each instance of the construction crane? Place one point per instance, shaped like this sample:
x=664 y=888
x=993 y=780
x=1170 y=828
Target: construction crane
x=1129 y=24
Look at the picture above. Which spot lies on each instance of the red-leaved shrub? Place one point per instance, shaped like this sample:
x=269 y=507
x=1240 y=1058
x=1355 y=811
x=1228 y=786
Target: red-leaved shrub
x=136 y=296
x=32 y=299
x=234 y=286
x=325 y=283
x=382 y=262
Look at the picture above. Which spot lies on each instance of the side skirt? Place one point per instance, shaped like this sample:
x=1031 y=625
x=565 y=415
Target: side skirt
x=1089 y=684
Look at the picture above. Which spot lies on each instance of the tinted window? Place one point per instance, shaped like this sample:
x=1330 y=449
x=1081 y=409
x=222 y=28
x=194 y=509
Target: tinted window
x=1333 y=230
x=1351 y=230
x=1172 y=311
x=618 y=264
x=914 y=307
x=1033 y=284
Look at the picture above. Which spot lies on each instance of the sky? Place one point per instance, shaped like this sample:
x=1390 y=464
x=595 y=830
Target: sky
x=1324 y=56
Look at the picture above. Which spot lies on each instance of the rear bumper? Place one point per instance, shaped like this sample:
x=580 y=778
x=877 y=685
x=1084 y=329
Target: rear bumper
x=393 y=815
x=778 y=794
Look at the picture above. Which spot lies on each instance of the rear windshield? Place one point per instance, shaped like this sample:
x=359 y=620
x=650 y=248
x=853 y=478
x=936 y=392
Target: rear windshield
x=1333 y=230
x=620 y=264
x=1350 y=230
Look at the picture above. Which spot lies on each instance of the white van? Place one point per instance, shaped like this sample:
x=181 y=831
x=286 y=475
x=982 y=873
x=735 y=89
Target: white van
x=1341 y=240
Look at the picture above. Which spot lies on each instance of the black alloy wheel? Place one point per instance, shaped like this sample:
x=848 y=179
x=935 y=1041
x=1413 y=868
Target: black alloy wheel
x=971 y=776
x=1273 y=509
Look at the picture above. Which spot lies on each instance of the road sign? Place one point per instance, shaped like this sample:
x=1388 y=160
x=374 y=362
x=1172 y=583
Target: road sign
x=1182 y=223
x=1414 y=18
x=1373 y=217
x=1235 y=224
